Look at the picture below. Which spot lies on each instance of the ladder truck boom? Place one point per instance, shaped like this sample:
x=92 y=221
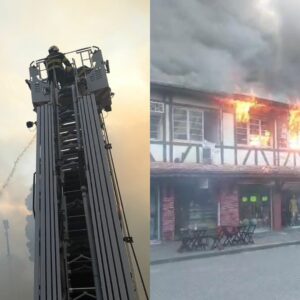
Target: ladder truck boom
x=81 y=243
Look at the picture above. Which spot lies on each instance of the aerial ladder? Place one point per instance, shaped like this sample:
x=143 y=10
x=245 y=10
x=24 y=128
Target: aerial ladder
x=82 y=240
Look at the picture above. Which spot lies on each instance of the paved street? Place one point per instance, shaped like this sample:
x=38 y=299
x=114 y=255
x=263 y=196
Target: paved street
x=271 y=274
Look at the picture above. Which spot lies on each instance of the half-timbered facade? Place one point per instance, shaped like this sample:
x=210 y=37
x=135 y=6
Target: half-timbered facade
x=220 y=159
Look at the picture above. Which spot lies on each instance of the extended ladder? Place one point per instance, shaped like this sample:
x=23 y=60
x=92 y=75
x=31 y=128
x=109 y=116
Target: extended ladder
x=80 y=242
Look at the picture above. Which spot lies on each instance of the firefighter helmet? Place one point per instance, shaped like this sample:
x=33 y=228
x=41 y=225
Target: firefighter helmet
x=53 y=49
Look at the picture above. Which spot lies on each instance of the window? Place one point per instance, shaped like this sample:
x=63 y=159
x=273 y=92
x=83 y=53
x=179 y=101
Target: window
x=256 y=133
x=187 y=124
x=156 y=126
x=156 y=117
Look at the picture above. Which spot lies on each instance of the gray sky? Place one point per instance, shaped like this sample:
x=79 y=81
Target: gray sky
x=121 y=30
x=232 y=45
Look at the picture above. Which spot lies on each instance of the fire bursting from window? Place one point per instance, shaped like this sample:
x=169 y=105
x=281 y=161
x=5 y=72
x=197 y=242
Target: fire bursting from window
x=258 y=136
x=242 y=110
x=294 y=128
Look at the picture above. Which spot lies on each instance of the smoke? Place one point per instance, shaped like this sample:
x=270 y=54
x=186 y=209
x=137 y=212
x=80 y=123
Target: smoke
x=232 y=46
x=12 y=172
x=29 y=229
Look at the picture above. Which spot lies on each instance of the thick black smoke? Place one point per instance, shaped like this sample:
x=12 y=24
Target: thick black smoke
x=233 y=45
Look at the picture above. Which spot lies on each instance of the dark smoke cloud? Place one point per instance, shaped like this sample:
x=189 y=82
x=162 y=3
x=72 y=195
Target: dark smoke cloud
x=233 y=45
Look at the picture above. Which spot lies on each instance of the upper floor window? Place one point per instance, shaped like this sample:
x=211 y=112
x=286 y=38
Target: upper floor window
x=156 y=126
x=254 y=133
x=156 y=119
x=187 y=124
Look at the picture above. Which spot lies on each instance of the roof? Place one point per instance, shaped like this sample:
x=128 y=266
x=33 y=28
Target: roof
x=165 y=169
x=171 y=88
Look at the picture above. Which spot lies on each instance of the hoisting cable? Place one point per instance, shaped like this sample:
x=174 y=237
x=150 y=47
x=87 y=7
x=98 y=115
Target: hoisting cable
x=12 y=172
x=119 y=196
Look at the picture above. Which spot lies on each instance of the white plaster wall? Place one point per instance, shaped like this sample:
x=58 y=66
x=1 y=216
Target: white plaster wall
x=229 y=156
x=241 y=154
x=168 y=153
x=157 y=152
x=228 y=129
x=177 y=151
x=260 y=159
x=298 y=159
x=216 y=156
x=192 y=156
x=282 y=157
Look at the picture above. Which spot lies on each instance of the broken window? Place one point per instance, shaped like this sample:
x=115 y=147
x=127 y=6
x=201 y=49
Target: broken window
x=256 y=132
x=187 y=124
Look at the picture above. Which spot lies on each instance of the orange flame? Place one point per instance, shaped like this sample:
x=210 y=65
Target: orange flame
x=260 y=140
x=294 y=128
x=242 y=109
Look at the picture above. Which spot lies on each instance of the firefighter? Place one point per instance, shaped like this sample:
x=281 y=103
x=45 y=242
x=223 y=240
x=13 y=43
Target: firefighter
x=54 y=64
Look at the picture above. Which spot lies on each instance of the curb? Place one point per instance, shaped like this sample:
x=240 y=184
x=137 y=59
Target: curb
x=223 y=252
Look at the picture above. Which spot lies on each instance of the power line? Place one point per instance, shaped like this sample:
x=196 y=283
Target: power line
x=12 y=172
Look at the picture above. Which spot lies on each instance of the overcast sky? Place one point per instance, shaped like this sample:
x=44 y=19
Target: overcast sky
x=27 y=29
x=232 y=45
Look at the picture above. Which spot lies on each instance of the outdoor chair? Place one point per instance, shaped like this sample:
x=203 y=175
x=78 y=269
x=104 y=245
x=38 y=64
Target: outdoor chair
x=230 y=233
x=249 y=234
x=214 y=239
x=186 y=240
x=239 y=237
x=198 y=239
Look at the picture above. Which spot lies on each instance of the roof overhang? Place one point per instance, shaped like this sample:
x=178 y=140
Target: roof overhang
x=166 y=169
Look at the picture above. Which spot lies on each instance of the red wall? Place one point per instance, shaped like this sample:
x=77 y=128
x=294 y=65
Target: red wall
x=168 y=215
x=229 y=208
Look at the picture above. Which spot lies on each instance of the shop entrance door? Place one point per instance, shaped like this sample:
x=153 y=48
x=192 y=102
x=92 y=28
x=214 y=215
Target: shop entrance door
x=255 y=205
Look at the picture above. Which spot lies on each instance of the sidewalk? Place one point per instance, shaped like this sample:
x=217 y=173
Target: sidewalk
x=166 y=252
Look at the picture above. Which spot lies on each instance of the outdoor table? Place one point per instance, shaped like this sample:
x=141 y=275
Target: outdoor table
x=193 y=239
x=215 y=238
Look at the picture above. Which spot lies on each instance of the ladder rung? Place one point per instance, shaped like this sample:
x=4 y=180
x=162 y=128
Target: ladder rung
x=76 y=216
x=71 y=192
x=81 y=289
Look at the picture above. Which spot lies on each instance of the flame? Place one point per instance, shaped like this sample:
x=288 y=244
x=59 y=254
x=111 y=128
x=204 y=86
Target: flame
x=260 y=140
x=294 y=128
x=242 y=109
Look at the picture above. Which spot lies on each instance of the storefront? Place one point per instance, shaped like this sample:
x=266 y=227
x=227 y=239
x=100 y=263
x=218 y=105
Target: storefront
x=195 y=206
x=255 y=205
x=185 y=198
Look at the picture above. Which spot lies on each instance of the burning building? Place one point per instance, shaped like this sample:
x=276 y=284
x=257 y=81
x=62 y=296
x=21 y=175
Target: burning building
x=220 y=159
